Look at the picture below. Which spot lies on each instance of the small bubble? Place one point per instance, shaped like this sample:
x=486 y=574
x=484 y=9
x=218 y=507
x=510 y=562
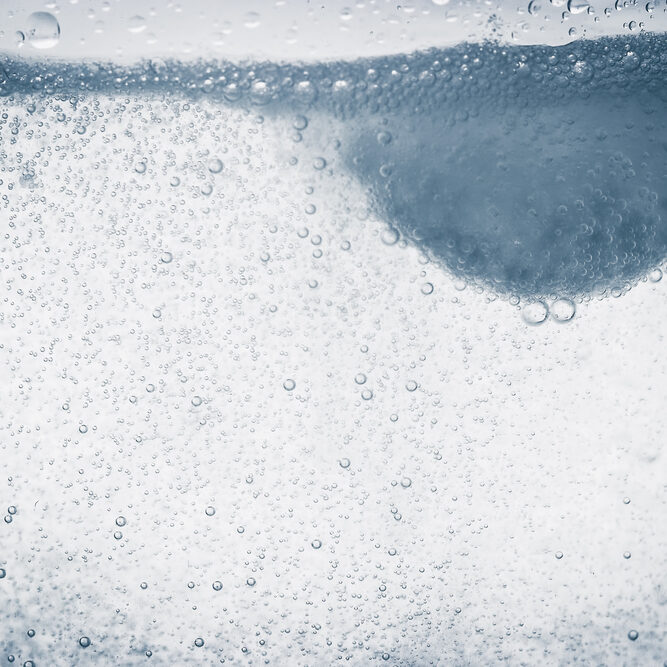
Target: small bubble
x=535 y=313
x=406 y=482
x=121 y=521
x=392 y=551
x=344 y=463
x=577 y=6
x=43 y=30
x=217 y=585
x=215 y=166
x=385 y=656
x=562 y=310
x=384 y=137
x=316 y=544
x=367 y=394
x=630 y=61
x=559 y=555
x=199 y=642
x=632 y=635
x=393 y=417
x=627 y=555
x=626 y=501
x=210 y=511
x=136 y=24
x=143 y=585
x=289 y=384
x=319 y=163
x=655 y=276
x=411 y=385
x=3 y=573
x=140 y=167
x=84 y=642
x=300 y=123
x=12 y=509
x=390 y=236
x=118 y=535
x=174 y=181
x=83 y=428
x=360 y=378
x=196 y=401
x=251 y=20
x=250 y=581
x=166 y=257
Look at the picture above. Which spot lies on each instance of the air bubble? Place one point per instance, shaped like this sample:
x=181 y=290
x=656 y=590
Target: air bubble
x=577 y=6
x=136 y=24
x=655 y=276
x=390 y=236
x=562 y=310
x=215 y=166
x=84 y=642
x=289 y=384
x=43 y=30
x=535 y=313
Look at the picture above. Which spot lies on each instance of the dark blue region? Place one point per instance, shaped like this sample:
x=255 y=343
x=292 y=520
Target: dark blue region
x=532 y=198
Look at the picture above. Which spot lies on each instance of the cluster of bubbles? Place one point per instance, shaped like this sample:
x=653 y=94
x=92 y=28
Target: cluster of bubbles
x=227 y=371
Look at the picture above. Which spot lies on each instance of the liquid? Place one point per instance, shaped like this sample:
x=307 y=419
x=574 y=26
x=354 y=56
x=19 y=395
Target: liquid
x=354 y=361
